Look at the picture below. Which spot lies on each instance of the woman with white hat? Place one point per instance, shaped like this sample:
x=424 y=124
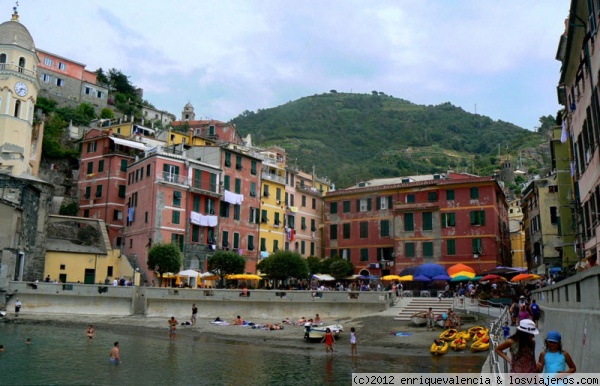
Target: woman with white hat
x=522 y=348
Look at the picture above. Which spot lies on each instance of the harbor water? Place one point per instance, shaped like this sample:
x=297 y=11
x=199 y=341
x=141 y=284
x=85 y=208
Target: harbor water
x=64 y=356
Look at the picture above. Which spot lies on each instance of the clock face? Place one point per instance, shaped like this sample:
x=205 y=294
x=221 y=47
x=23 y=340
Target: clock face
x=21 y=89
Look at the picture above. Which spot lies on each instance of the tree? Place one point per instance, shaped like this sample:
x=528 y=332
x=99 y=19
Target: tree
x=341 y=268
x=107 y=113
x=164 y=258
x=283 y=265
x=226 y=263
x=314 y=264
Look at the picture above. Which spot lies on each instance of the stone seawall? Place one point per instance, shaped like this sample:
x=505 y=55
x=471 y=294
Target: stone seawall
x=572 y=307
x=164 y=302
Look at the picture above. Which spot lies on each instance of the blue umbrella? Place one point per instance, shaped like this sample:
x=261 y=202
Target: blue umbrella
x=442 y=277
x=421 y=278
x=430 y=270
x=408 y=271
x=370 y=277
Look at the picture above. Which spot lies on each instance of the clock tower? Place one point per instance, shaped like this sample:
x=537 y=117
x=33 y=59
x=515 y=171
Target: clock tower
x=20 y=139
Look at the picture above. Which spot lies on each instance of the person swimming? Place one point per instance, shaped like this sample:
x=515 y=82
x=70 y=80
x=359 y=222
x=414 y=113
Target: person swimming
x=114 y=354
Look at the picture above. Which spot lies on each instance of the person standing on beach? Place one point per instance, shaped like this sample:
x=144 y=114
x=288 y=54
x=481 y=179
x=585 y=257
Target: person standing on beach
x=194 y=313
x=89 y=332
x=172 y=327
x=522 y=348
x=114 y=354
x=17 y=308
x=328 y=339
x=353 y=339
x=430 y=316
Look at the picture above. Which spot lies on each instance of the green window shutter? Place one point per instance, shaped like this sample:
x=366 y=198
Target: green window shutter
x=409 y=224
x=238 y=186
x=346 y=206
x=213 y=183
x=99 y=191
x=303 y=247
x=451 y=219
x=390 y=202
x=196 y=204
x=482 y=217
x=444 y=220
x=473 y=215
x=476 y=244
x=263 y=244
x=227 y=159
x=450 y=195
x=123 y=165
x=250 y=242
x=378 y=203
x=333 y=230
x=253 y=189
x=236 y=212
x=474 y=193
x=409 y=249
x=122 y=191
x=368 y=204
x=264 y=218
x=195 y=233
x=358 y=205
x=276 y=220
x=364 y=254
x=100 y=166
x=346 y=230
x=451 y=247
x=333 y=207
x=313 y=225
x=236 y=240
x=253 y=167
x=385 y=228
x=427 y=221
x=303 y=223
x=225 y=239
x=427 y=249
x=90 y=167
x=226 y=182
x=175 y=217
x=238 y=162
x=88 y=192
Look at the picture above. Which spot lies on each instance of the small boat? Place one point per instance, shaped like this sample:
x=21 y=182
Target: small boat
x=473 y=330
x=318 y=332
x=440 y=321
x=419 y=318
x=480 y=334
x=458 y=344
x=449 y=334
x=481 y=344
x=464 y=335
x=439 y=347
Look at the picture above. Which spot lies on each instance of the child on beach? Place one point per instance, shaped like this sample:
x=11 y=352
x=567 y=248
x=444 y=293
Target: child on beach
x=353 y=336
x=328 y=339
x=554 y=360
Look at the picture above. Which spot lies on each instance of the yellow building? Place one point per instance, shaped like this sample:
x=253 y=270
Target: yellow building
x=78 y=251
x=277 y=208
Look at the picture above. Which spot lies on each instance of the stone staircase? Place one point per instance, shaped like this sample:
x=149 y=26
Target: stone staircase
x=422 y=304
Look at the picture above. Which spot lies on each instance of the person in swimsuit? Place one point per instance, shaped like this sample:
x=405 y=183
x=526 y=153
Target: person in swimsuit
x=114 y=354
x=194 y=313
x=328 y=339
x=172 y=327
x=353 y=339
x=89 y=332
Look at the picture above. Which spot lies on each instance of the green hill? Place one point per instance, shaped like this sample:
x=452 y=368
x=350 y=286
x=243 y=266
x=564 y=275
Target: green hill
x=354 y=137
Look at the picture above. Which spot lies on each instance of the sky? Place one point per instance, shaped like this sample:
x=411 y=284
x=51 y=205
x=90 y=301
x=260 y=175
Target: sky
x=494 y=58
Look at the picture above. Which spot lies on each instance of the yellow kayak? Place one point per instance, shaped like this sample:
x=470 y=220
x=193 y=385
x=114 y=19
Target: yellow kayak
x=480 y=335
x=458 y=344
x=449 y=334
x=475 y=329
x=439 y=347
x=464 y=335
x=481 y=344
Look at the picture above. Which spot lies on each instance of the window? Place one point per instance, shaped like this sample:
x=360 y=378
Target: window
x=302 y=247
x=250 y=242
x=123 y=165
x=409 y=249
x=226 y=184
x=238 y=186
x=364 y=229
x=146 y=217
x=253 y=189
x=122 y=191
x=91 y=147
x=175 y=217
x=176 y=198
x=410 y=198
x=427 y=249
x=312 y=248
x=303 y=223
x=346 y=231
x=432 y=196
x=303 y=200
x=448 y=220
x=333 y=231
x=363 y=205
x=90 y=167
x=477 y=217
x=61 y=66
x=314 y=203
x=100 y=166
x=209 y=206
x=109 y=270
x=254 y=215
x=253 y=167
x=276 y=220
x=117 y=215
x=278 y=195
x=553 y=215
x=237 y=209
x=228 y=159
x=451 y=247
x=46 y=78
x=333 y=208
x=99 y=191
x=266 y=190
x=148 y=171
x=263 y=244
x=427 y=221
x=99 y=94
x=224 y=209
x=238 y=162
x=476 y=244
x=195 y=233
x=225 y=239
x=59 y=82
x=177 y=239
x=346 y=206
x=290 y=221
x=86 y=213
x=50 y=62
x=384 y=228
x=384 y=202
x=87 y=90
x=313 y=225
x=364 y=254
x=474 y=193
x=264 y=218
x=88 y=192
x=409 y=222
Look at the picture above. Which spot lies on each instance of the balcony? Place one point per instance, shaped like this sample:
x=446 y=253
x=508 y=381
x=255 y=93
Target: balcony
x=172 y=178
x=15 y=68
x=273 y=177
x=309 y=189
x=205 y=187
x=417 y=206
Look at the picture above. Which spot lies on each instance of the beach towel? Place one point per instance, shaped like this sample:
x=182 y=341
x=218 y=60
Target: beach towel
x=400 y=333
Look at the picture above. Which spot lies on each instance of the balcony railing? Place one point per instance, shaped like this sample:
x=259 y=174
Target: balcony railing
x=308 y=189
x=273 y=177
x=15 y=68
x=207 y=186
x=173 y=178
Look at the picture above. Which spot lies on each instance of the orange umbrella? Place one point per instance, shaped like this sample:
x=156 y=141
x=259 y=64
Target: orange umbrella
x=460 y=268
x=523 y=276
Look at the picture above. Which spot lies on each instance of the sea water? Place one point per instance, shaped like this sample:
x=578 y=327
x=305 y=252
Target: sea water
x=64 y=356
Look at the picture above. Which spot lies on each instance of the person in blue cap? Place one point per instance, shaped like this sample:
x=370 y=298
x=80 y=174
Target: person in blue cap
x=554 y=360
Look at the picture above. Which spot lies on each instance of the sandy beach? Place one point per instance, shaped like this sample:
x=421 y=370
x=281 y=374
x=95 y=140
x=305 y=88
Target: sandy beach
x=376 y=333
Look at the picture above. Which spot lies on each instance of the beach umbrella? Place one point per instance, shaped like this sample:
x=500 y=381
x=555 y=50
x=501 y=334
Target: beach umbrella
x=492 y=277
x=368 y=277
x=460 y=278
x=243 y=276
x=463 y=273
x=391 y=277
x=421 y=278
x=430 y=270
x=189 y=273
x=408 y=271
x=441 y=277
x=525 y=276
x=323 y=277
x=406 y=278
x=459 y=269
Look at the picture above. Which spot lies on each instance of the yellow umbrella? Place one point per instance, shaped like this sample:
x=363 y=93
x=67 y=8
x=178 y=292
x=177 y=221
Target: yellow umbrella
x=391 y=277
x=177 y=280
x=406 y=278
x=243 y=276
x=468 y=274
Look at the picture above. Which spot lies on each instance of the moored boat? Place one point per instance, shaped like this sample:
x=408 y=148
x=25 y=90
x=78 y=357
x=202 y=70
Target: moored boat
x=449 y=334
x=318 y=332
x=481 y=344
x=419 y=318
x=464 y=335
x=458 y=344
x=439 y=347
